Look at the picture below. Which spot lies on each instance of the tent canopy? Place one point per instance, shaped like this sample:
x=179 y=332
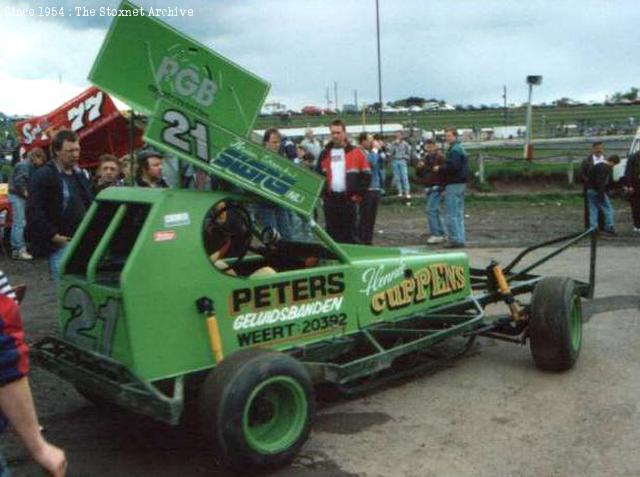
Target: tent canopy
x=102 y=129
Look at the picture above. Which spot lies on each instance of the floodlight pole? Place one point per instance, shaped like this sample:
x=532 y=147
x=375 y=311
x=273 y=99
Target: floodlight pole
x=379 y=64
x=531 y=81
x=504 y=97
x=529 y=114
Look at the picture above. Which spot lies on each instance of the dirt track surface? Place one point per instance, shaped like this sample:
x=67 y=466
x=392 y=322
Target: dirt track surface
x=499 y=221
x=491 y=413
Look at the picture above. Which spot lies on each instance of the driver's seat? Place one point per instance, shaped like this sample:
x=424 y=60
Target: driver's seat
x=218 y=262
x=228 y=226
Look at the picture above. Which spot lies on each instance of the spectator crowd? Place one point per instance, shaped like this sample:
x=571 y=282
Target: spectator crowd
x=50 y=195
x=49 y=198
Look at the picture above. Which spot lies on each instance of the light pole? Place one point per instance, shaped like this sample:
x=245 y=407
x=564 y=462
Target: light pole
x=532 y=80
x=379 y=63
x=504 y=110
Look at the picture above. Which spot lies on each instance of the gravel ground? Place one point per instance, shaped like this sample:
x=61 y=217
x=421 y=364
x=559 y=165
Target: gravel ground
x=489 y=414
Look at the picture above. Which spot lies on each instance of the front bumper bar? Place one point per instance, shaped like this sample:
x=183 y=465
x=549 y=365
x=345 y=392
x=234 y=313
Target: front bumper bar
x=109 y=380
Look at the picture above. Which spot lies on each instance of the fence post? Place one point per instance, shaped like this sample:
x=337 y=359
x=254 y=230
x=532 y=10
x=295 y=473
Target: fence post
x=481 y=168
x=570 y=171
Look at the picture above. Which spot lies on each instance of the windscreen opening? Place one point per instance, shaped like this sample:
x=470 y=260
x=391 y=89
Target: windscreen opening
x=122 y=243
x=78 y=262
x=239 y=241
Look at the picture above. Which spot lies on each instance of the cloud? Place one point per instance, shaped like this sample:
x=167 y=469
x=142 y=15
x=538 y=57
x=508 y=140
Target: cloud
x=40 y=96
x=463 y=51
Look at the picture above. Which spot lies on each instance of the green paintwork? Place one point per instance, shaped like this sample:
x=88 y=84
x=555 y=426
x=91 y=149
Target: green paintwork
x=143 y=60
x=575 y=325
x=159 y=332
x=202 y=107
x=275 y=415
x=230 y=157
x=139 y=261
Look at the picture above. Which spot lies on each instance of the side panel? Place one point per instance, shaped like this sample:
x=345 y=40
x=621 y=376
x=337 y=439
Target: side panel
x=161 y=284
x=394 y=288
x=285 y=309
x=93 y=319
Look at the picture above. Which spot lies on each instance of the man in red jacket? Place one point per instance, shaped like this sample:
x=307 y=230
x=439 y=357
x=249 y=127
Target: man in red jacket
x=348 y=176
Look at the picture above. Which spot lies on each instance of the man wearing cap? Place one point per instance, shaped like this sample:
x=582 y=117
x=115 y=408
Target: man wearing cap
x=59 y=196
x=149 y=172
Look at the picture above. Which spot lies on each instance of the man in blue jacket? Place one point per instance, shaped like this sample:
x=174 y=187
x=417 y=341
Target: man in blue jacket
x=59 y=197
x=454 y=173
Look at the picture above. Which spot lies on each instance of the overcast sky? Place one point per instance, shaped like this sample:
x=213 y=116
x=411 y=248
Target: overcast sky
x=460 y=51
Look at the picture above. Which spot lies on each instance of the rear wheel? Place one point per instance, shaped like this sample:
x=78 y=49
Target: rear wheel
x=555 y=326
x=257 y=408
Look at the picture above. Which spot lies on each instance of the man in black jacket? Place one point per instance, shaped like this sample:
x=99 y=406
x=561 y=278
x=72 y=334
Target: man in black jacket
x=598 y=178
x=596 y=156
x=632 y=188
x=454 y=173
x=149 y=172
x=59 y=196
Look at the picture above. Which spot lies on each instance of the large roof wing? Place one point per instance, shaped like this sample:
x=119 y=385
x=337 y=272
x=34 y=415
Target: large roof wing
x=142 y=59
x=202 y=106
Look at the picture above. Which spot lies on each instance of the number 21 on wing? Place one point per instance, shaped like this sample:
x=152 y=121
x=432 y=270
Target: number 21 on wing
x=179 y=134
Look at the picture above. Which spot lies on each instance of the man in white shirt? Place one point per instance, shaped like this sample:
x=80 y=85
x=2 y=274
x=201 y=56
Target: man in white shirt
x=348 y=176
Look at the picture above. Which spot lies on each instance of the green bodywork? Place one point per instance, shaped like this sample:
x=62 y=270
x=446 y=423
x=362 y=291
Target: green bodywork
x=202 y=107
x=143 y=60
x=139 y=308
x=236 y=160
x=140 y=262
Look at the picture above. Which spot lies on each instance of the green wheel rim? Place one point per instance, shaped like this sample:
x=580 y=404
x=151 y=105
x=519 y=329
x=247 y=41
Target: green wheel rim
x=275 y=415
x=576 y=324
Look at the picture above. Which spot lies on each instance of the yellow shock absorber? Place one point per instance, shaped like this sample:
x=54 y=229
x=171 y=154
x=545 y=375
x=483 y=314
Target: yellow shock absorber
x=214 y=337
x=206 y=307
x=503 y=286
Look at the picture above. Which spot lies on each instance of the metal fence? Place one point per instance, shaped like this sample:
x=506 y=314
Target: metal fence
x=550 y=159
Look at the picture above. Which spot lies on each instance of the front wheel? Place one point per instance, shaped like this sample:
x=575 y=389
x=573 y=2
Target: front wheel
x=555 y=326
x=257 y=407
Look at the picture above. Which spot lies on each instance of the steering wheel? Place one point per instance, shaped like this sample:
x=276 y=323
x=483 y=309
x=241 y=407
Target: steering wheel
x=233 y=223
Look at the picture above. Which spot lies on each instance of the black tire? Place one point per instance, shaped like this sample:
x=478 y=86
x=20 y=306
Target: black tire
x=555 y=326
x=250 y=391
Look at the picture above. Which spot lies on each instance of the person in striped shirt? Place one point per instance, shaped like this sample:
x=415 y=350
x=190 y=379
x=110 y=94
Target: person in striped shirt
x=16 y=401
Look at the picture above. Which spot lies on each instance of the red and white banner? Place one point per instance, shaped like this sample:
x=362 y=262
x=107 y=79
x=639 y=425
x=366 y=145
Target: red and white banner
x=93 y=116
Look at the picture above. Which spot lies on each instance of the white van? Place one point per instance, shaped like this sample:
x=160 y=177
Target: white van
x=618 y=171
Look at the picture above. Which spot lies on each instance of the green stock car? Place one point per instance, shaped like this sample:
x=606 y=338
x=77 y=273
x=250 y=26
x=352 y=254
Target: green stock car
x=169 y=297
